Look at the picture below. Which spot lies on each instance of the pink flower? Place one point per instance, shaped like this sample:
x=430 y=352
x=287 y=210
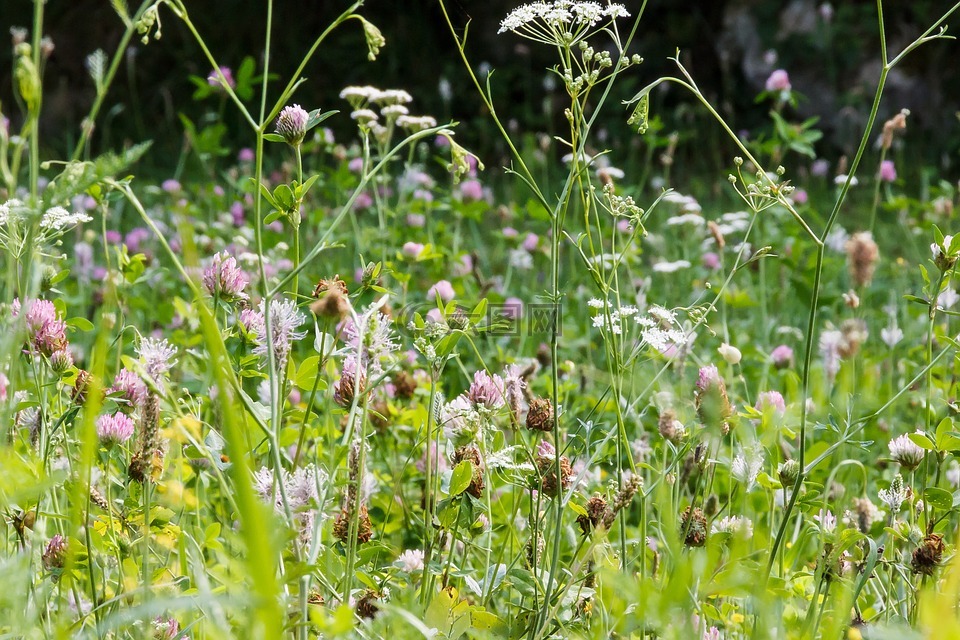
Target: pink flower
x=236 y=212
x=412 y=249
x=416 y=220
x=624 y=226
x=129 y=387
x=778 y=81
x=512 y=308
x=246 y=155
x=292 y=124
x=214 y=79
x=434 y=316
x=224 y=278
x=486 y=390
x=782 y=356
x=356 y=165
x=800 y=196
x=772 y=400
x=444 y=289
x=509 y=232
x=363 y=201
x=170 y=186
x=819 y=168
x=888 y=172
x=471 y=190
x=48 y=334
x=531 y=241
x=711 y=260
x=708 y=377
x=115 y=429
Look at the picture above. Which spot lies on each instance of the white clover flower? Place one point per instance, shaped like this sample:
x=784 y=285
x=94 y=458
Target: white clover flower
x=826 y=520
x=906 y=452
x=736 y=525
x=747 y=465
x=410 y=561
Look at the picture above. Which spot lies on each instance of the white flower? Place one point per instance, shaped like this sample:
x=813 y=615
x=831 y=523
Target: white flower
x=747 y=465
x=156 y=356
x=894 y=496
x=410 y=561
x=671 y=267
x=736 y=525
x=595 y=303
x=729 y=353
x=906 y=452
x=891 y=335
x=58 y=218
x=842 y=178
x=826 y=520
x=520 y=259
x=948 y=298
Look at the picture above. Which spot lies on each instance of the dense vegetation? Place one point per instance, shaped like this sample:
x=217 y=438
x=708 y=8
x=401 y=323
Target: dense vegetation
x=345 y=380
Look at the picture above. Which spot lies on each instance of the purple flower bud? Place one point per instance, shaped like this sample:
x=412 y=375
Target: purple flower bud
x=223 y=278
x=292 y=124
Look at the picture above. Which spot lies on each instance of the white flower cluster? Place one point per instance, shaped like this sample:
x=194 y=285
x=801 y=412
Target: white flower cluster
x=659 y=327
x=55 y=219
x=529 y=20
x=736 y=525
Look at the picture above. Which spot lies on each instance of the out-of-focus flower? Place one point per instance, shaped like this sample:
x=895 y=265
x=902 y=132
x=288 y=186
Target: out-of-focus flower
x=444 y=289
x=888 y=172
x=729 y=353
x=410 y=561
x=779 y=80
x=782 y=356
x=214 y=78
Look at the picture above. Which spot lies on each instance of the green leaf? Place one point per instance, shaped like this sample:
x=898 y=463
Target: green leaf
x=939 y=498
x=307 y=373
x=461 y=478
x=273 y=137
x=922 y=441
x=267 y=195
x=316 y=117
x=283 y=194
x=81 y=324
x=272 y=217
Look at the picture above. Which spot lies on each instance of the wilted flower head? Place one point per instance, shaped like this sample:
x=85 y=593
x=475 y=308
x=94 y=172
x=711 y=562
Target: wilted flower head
x=55 y=554
x=224 y=279
x=114 y=429
x=713 y=405
x=906 y=452
x=292 y=124
x=862 y=256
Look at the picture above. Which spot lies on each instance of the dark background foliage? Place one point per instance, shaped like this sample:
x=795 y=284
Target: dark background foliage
x=832 y=61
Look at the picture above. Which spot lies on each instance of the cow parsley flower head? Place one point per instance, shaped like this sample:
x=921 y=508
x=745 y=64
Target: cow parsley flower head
x=561 y=22
x=59 y=219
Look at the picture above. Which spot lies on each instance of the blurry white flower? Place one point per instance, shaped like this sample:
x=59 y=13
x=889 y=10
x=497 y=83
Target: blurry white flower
x=826 y=520
x=410 y=561
x=729 y=353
